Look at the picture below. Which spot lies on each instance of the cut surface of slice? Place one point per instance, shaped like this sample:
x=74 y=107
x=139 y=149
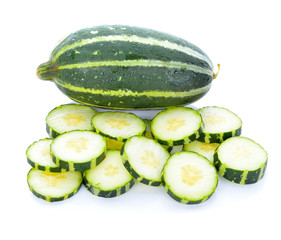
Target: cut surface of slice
x=118 y=125
x=69 y=117
x=189 y=177
x=39 y=157
x=218 y=124
x=176 y=126
x=205 y=149
x=144 y=158
x=78 y=150
x=110 y=178
x=241 y=160
x=51 y=186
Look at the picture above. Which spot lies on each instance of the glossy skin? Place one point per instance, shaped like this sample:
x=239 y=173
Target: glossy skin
x=135 y=68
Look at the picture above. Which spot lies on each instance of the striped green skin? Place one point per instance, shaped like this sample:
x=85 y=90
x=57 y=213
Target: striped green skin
x=38 y=166
x=136 y=175
x=104 y=66
x=72 y=166
x=178 y=199
x=50 y=198
x=218 y=137
x=188 y=139
x=108 y=194
x=236 y=175
x=77 y=166
x=54 y=132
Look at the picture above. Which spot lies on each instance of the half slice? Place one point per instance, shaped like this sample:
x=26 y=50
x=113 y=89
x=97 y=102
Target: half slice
x=78 y=150
x=69 y=117
x=54 y=186
x=176 y=126
x=219 y=124
x=189 y=177
x=144 y=158
x=118 y=125
x=39 y=157
x=241 y=160
x=110 y=178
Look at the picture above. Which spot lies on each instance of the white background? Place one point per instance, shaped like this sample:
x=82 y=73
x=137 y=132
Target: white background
x=243 y=36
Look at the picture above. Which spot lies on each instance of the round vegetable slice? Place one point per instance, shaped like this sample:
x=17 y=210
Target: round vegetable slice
x=51 y=186
x=205 y=149
x=118 y=125
x=39 y=157
x=241 y=160
x=189 y=177
x=219 y=124
x=78 y=150
x=110 y=178
x=68 y=117
x=144 y=158
x=176 y=126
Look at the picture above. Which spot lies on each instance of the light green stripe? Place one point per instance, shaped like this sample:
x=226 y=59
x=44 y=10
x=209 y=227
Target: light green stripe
x=121 y=93
x=244 y=177
x=222 y=170
x=139 y=62
x=136 y=39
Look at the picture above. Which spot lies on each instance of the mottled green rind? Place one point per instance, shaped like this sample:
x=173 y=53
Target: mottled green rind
x=80 y=167
x=107 y=193
x=39 y=166
x=239 y=176
x=54 y=199
x=133 y=172
x=127 y=78
x=182 y=200
x=218 y=137
x=187 y=139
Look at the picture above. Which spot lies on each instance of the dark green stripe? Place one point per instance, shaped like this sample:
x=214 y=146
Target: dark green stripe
x=105 y=30
x=218 y=137
x=134 y=78
x=119 y=50
x=108 y=193
x=126 y=102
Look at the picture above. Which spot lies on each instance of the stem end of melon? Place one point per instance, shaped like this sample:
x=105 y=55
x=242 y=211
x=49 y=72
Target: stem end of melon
x=46 y=71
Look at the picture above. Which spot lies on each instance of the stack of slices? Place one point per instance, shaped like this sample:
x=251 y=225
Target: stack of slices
x=180 y=148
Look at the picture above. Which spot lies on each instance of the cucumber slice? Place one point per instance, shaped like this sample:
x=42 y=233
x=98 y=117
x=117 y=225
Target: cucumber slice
x=148 y=134
x=69 y=117
x=51 y=186
x=144 y=158
x=189 y=177
x=39 y=157
x=110 y=178
x=205 y=149
x=176 y=126
x=219 y=124
x=241 y=160
x=78 y=150
x=118 y=125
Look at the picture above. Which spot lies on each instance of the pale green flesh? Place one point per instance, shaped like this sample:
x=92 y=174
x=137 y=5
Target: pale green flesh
x=190 y=176
x=146 y=157
x=54 y=184
x=110 y=174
